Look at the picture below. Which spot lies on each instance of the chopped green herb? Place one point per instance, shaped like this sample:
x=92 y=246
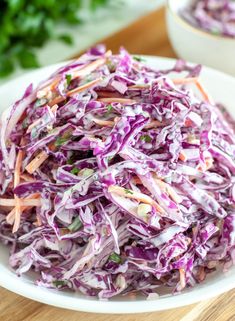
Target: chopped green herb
x=146 y=138
x=40 y=102
x=25 y=123
x=66 y=39
x=115 y=258
x=127 y=191
x=76 y=225
x=68 y=79
x=75 y=171
x=109 y=108
x=62 y=139
x=28 y=25
x=140 y=59
x=58 y=283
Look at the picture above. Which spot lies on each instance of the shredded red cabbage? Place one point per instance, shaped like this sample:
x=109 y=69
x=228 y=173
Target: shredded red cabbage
x=214 y=16
x=116 y=178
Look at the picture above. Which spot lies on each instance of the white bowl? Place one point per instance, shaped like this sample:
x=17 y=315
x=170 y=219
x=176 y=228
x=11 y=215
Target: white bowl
x=221 y=87
x=196 y=45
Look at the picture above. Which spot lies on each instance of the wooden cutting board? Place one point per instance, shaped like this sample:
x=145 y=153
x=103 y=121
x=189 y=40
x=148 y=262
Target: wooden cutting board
x=145 y=36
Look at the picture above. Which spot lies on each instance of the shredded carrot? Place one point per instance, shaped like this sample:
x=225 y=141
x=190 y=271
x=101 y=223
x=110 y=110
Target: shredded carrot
x=182 y=278
x=18 y=165
x=39 y=221
x=18 y=212
x=136 y=180
x=32 y=200
x=205 y=95
x=208 y=165
x=56 y=101
x=182 y=156
x=143 y=198
x=84 y=87
x=54 y=108
x=31 y=126
x=88 y=69
x=11 y=202
x=188 y=122
x=36 y=162
x=142 y=86
x=169 y=190
x=154 y=123
x=27 y=178
x=106 y=94
x=182 y=81
x=201 y=273
x=117 y=100
x=103 y=122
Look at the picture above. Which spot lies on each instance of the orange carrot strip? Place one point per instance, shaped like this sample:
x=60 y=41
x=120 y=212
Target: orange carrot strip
x=18 y=212
x=18 y=164
x=154 y=123
x=182 y=278
x=117 y=100
x=182 y=81
x=54 y=108
x=56 y=100
x=92 y=66
x=10 y=202
x=36 y=162
x=170 y=190
x=86 y=70
x=103 y=122
x=106 y=94
x=142 y=86
x=11 y=216
x=27 y=178
x=83 y=87
x=205 y=95
x=135 y=195
x=182 y=156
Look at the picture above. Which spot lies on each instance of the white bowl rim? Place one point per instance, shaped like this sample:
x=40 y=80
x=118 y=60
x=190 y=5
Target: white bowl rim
x=86 y=304
x=198 y=31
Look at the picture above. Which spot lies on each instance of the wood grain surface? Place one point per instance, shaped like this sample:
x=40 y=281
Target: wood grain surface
x=146 y=36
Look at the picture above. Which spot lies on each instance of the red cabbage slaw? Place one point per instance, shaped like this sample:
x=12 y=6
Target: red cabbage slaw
x=117 y=179
x=214 y=16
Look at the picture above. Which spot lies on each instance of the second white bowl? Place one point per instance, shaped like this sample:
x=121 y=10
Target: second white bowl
x=197 y=45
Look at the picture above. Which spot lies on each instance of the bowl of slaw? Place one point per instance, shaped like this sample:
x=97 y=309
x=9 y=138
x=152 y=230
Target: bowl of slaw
x=196 y=37
x=136 y=239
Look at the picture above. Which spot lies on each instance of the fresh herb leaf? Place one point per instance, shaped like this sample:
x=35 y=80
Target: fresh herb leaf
x=68 y=79
x=75 y=171
x=66 y=39
x=128 y=191
x=25 y=123
x=27 y=59
x=146 y=138
x=62 y=139
x=58 y=283
x=26 y=25
x=140 y=59
x=76 y=225
x=6 y=66
x=109 y=108
x=40 y=102
x=115 y=258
